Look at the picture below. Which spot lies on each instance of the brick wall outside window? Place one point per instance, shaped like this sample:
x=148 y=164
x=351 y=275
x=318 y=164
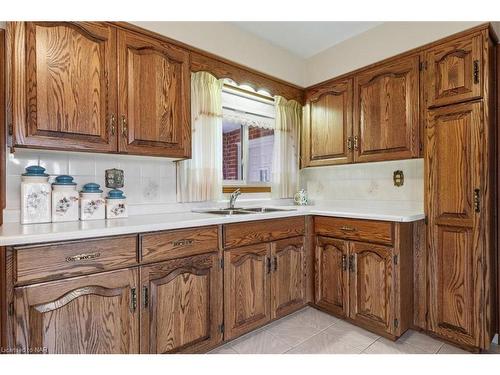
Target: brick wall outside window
x=230 y=143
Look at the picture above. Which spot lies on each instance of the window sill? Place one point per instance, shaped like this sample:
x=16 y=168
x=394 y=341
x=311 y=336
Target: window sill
x=246 y=189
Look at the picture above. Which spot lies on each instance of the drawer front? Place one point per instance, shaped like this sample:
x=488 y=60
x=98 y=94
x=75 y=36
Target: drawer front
x=64 y=259
x=354 y=229
x=178 y=243
x=252 y=232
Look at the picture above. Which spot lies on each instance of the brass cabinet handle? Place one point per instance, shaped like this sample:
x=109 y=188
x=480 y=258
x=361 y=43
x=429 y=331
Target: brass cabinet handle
x=275 y=264
x=476 y=71
x=133 y=299
x=76 y=258
x=344 y=262
x=477 y=200
x=351 y=263
x=268 y=259
x=183 y=242
x=145 y=296
x=345 y=228
x=356 y=146
x=112 y=124
x=124 y=126
x=349 y=143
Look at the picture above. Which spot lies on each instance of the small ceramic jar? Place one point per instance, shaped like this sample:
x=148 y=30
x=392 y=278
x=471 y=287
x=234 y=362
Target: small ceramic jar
x=64 y=199
x=35 y=196
x=92 y=204
x=116 y=204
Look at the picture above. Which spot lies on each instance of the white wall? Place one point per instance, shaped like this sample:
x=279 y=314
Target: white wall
x=233 y=43
x=378 y=43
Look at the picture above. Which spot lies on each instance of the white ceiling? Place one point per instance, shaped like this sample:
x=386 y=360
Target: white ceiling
x=305 y=39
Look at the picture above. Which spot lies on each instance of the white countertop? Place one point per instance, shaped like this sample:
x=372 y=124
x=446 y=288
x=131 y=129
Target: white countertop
x=17 y=234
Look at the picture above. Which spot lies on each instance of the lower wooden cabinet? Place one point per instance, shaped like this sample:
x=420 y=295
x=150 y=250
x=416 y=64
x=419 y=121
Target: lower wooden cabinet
x=262 y=282
x=287 y=276
x=368 y=284
x=371 y=290
x=181 y=305
x=331 y=276
x=81 y=315
x=247 y=289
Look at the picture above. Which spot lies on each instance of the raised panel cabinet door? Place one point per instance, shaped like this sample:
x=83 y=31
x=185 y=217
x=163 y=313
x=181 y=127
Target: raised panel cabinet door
x=331 y=276
x=154 y=97
x=246 y=289
x=372 y=286
x=287 y=276
x=94 y=314
x=63 y=85
x=454 y=154
x=386 y=111
x=181 y=305
x=453 y=71
x=328 y=125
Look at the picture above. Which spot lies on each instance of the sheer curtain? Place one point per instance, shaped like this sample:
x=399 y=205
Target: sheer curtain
x=200 y=178
x=286 y=148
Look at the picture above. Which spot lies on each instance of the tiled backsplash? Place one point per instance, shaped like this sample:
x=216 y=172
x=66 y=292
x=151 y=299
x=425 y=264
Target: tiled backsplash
x=365 y=181
x=149 y=182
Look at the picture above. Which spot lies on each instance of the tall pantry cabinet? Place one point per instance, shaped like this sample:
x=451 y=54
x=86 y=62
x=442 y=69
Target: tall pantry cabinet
x=459 y=189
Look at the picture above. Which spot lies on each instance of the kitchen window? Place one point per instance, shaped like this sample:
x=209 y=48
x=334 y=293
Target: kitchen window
x=247 y=138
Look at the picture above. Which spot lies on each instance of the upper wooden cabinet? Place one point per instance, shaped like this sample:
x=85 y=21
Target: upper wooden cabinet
x=386 y=111
x=154 y=97
x=87 y=86
x=328 y=125
x=454 y=71
x=95 y=314
x=63 y=85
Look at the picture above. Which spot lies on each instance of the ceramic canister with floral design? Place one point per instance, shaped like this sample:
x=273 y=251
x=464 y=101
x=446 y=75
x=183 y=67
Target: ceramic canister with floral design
x=92 y=204
x=35 y=196
x=64 y=199
x=116 y=204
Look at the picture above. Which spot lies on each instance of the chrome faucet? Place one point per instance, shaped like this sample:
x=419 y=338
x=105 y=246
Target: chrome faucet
x=232 y=198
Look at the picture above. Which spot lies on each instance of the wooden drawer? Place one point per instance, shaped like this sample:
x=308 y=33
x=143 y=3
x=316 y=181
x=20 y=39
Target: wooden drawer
x=178 y=243
x=247 y=233
x=64 y=259
x=381 y=232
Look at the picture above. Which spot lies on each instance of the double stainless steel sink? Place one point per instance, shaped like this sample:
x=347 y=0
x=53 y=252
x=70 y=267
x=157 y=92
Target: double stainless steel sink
x=242 y=211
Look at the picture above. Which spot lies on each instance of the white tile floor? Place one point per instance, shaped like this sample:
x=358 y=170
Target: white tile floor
x=310 y=331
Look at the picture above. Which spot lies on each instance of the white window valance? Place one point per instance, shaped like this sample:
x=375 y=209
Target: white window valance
x=247 y=109
x=247 y=119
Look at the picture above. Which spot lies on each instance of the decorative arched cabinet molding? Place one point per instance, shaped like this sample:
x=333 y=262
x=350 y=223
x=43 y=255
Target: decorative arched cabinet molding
x=82 y=315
